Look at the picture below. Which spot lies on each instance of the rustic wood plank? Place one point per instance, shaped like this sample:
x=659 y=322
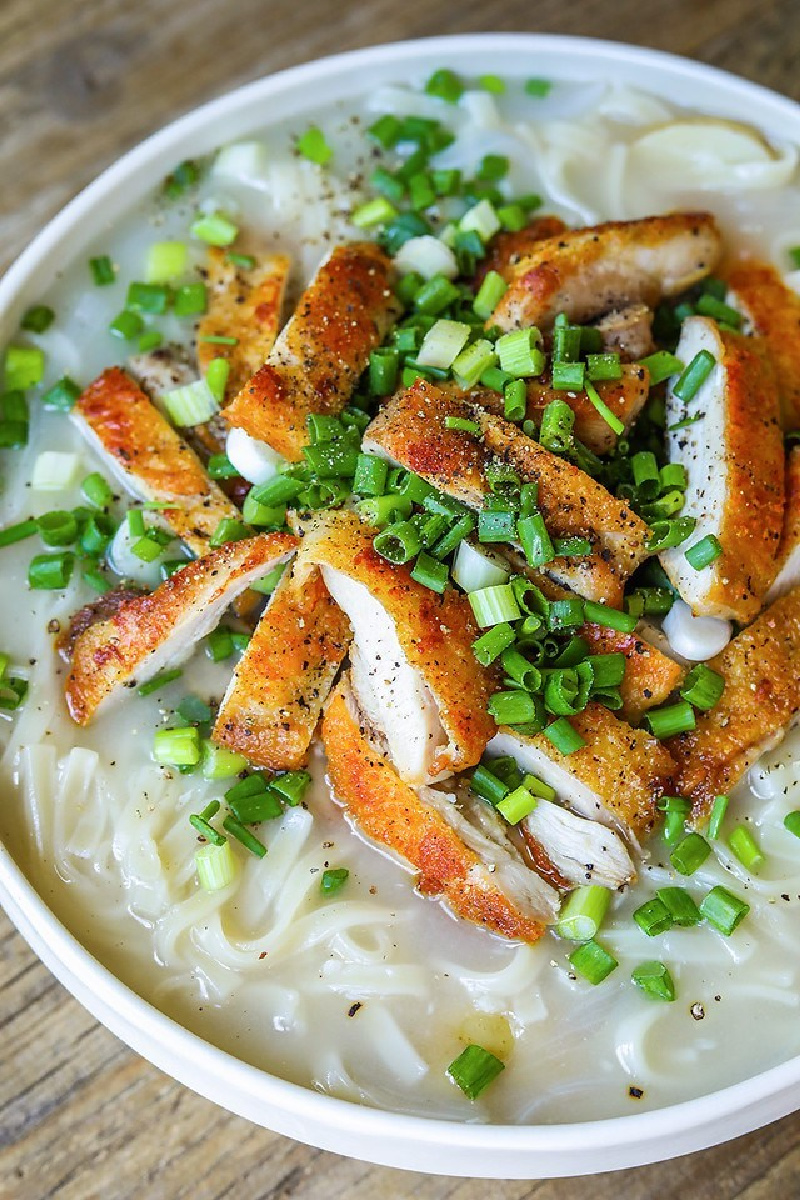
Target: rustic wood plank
x=80 y=82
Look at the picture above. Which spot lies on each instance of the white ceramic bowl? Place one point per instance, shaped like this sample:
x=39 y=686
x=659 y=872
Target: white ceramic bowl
x=441 y=1147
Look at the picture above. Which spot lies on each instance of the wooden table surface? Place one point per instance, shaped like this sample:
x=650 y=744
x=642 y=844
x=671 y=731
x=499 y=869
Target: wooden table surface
x=81 y=1116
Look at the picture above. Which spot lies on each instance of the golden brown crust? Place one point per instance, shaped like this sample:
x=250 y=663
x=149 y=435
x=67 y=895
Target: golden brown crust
x=316 y=362
x=392 y=814
x=436 y=633
x=761 y=669
x=272 y=705
x=626 y=768
x=244 y=303
x=587 y=272
x=410 y=428
x=650 y=676
x=625 y=397
x=773 y=311
x=111 y=653
x=571 y=502
x=789 y=548
x=507 y=247
x=152 y=457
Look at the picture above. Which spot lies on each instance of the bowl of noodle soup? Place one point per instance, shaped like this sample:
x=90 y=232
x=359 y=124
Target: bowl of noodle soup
x=340 y=1042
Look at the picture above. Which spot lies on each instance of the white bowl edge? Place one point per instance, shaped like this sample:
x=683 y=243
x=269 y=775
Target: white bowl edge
x=440 y=1147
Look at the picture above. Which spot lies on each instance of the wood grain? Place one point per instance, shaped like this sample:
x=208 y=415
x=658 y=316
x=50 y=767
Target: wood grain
x=80 y=81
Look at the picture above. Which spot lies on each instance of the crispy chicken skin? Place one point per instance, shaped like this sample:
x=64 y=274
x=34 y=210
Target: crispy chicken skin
x=587 y=272
x=772 y=310
x=410 y=430
x=761 y=669
x=735 y=462
x=244 y=303
x=271 y=708
x=571 y=502
x=434 y=635
x=788 y=563
x=507 y=247
x=316 y=362
x=625 y=397
x=391 y=813
x=617 y=778
x=151 y=460
x=162 y=628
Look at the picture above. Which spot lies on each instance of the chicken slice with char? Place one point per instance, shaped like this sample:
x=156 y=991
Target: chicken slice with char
x=735 y=463
x=479 y=879
x=771 y=310
x=272 y=705
x=316 y=362
x=162 y=628
x=150 y=459
x=616 y=778
x=625 y=397
x=410 y=430
x=571 y=502
x=588 y=272
x=506 y=248
x=788 y=562
x=244 y=303
x=761 y=669
x=628 y=331
x=413 y=666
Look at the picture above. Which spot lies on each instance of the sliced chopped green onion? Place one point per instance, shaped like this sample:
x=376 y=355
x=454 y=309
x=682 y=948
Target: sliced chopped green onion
x=165 y=261
x=712 y=306
x=192 y=404
x=512 y=217
x=592 y=962
x=190 y=300
x=605 y=366
x=562 y=735
x=102 y=270
x=568 y=376
x=515 y=400
x=251 y=807
x=535 y=540
x=702 y=687
x=333 y=879
x=665 y=534
x=515 y=707
x=313 y=146
x=474 y=1069
x=379 y=510
x=228 y=530
x=18 y=532
x=150 y=340
x=158 y=681
x=386 y=130
x=193 y=710
x=126 y=325
x=490 y=293
x=672 y=719
x=555 y=431
x=792 y=822
x=219 y=466
x=248 y=840
x=23 y=367
x=538 y=87
x=718 y=810
x=37 y=318
x=96 y=490
x=520 y=353
x=610 y=618
x=177 y=747
x=494 y=605
x=690 y=854
x=654 y=980
x=219 y=763
x=482 y=218
x=292 y=786
x=517 y=805
x=377 y=211
x=745 y=847
x=602 y=408
x=653 y=917
x=217 y=378
x=488 y=785
x=446 y=85
x=57 y=528
x=680 y=906
x=490 y=645
x=62 y=395
x=676 y=809
x=661 y=366
x=442 y=344
x=494 y=84
x=50 y=571
x=694 y=376
x=398 y=543
x=430 y=573
x=584 y=912
x=450 y=541
x=183 y=177
x=215 y=229
x=147 y=298
x=435 y=295
x=471 y=363
x=215 y=865
x=723 y=909
x=704 y=552
x=370 y=475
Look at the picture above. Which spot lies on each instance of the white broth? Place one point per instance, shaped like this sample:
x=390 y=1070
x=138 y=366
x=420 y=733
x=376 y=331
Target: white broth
x=370 y=994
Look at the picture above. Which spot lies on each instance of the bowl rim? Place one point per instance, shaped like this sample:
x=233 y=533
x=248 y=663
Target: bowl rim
x=396 y=1139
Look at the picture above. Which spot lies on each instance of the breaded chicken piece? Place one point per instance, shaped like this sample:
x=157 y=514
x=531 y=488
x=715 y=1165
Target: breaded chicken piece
x=771 y=310
x=587 y=272
x=244 y=303
x=410 y=429
x=617 y=778
x=162 y=628
x=506 y=248
x=273 y=702
x=413 y=668
x=480 y=880
x=788 y=562
x=628 y=331
x=626 y=397
x=316 y=362
x=571 y=502
x=150 y=459
x=761 y=669
x=735 y=463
